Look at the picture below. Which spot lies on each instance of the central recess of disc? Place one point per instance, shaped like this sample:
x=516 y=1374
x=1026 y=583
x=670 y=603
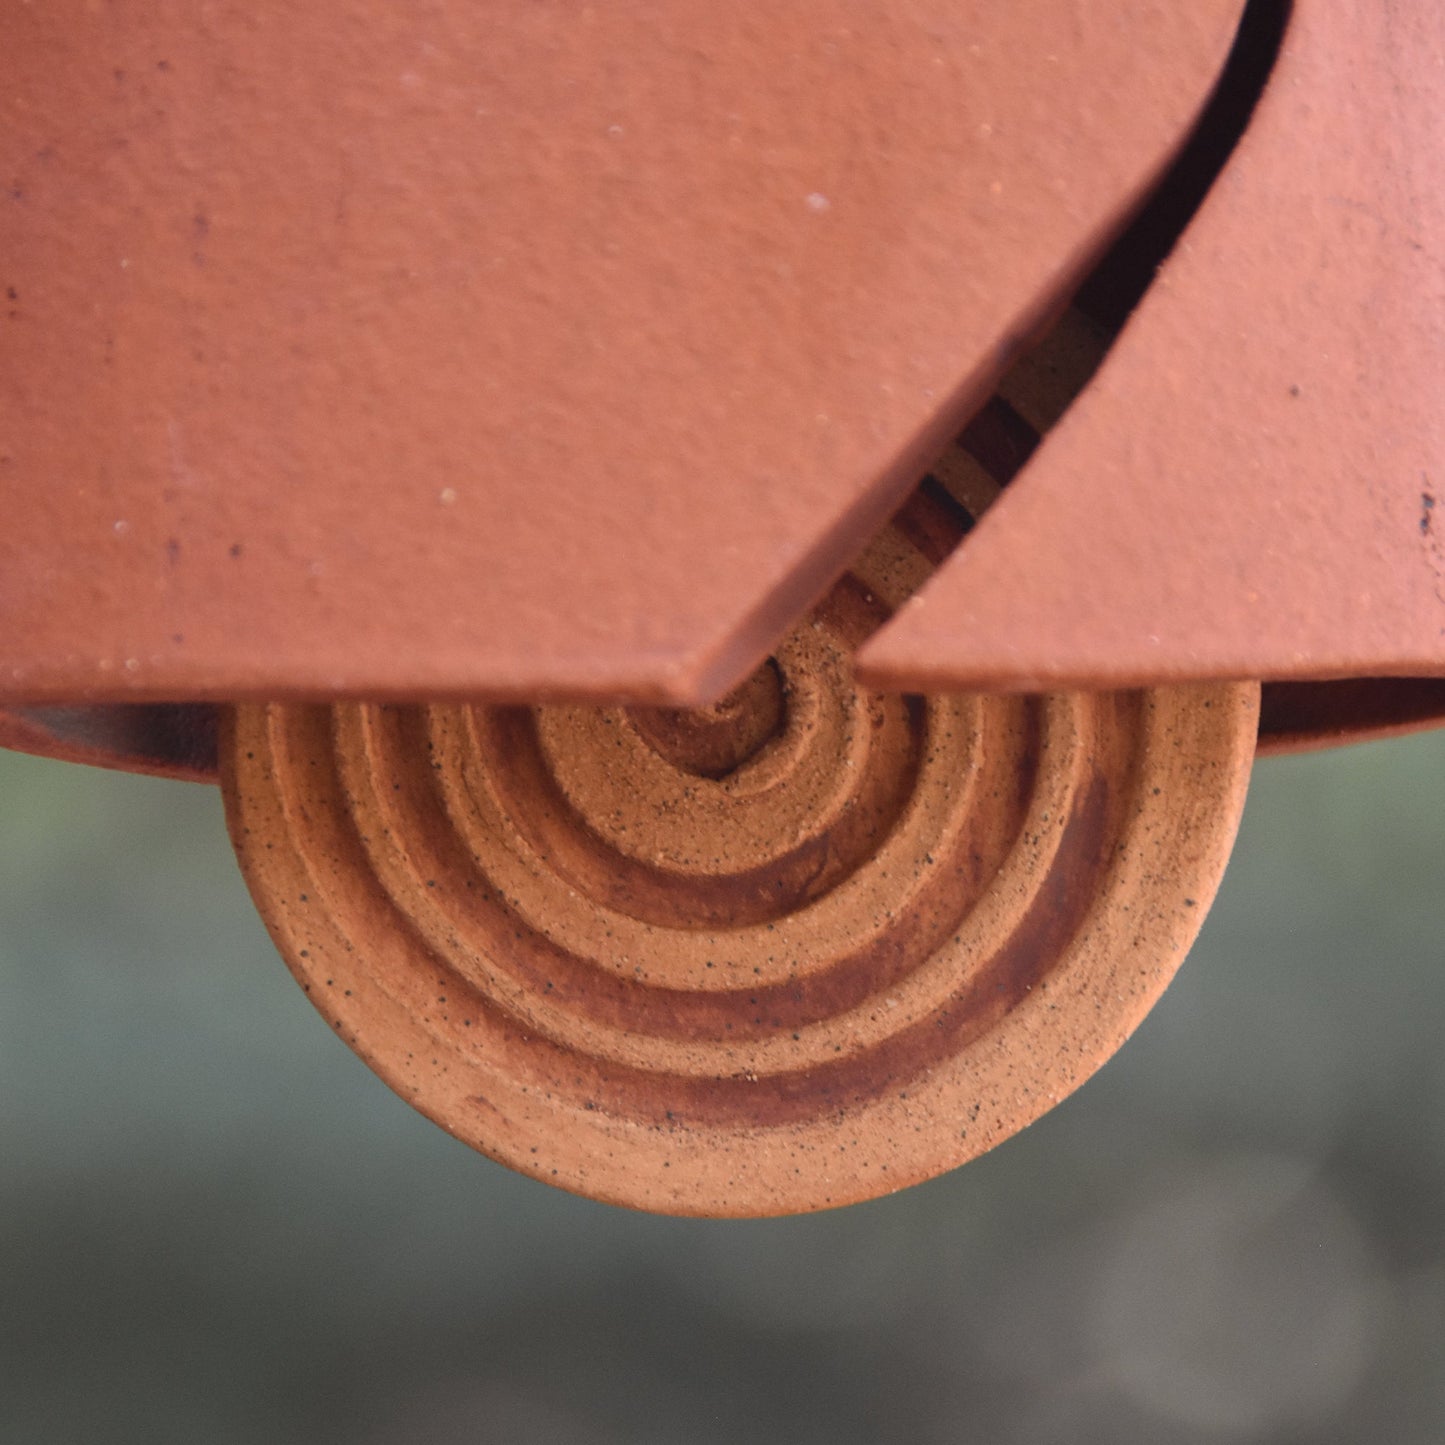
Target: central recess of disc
x=711 y=742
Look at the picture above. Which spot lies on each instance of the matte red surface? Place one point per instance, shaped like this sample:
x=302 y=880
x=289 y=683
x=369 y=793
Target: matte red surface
x=518 y=350
x=1252 y=485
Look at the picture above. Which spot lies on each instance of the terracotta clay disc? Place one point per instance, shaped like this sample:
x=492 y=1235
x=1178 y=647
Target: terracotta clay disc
x=799 y=949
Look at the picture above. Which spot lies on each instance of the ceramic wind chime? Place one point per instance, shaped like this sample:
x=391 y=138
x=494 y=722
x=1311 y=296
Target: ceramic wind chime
x=723 y=557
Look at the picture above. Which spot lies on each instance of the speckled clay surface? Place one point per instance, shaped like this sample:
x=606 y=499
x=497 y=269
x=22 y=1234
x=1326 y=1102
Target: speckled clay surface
x=404 y=350
x=802 y=949
x=458 y=396
x=1252 y=485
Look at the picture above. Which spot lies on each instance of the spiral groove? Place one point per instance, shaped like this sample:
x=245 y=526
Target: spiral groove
x=804 y=947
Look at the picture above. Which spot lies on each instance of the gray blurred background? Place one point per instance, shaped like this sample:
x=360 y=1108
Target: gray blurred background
x=217 y=1226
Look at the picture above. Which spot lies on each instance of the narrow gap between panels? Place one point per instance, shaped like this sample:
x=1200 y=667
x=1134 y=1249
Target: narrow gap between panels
x=1046 y=380
x=180 y=740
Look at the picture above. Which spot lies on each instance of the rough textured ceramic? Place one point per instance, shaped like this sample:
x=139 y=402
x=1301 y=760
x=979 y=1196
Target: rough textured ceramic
x=423 y=414
x=453 y=349
x=801 y=949
x=786 y=952
x=1252 y=487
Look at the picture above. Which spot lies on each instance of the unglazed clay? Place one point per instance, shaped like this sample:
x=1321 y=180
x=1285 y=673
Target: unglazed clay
x=488 y=437
x=506 y=350
x=799 y=950
x=1252 y=487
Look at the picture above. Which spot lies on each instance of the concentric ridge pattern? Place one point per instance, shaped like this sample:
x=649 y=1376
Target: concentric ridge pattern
x=805 y=947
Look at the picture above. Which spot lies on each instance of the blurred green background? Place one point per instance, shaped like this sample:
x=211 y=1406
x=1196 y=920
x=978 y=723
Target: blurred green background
x=217 y=1226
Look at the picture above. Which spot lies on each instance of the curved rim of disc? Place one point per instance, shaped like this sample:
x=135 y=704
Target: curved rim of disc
x=487 y=1073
